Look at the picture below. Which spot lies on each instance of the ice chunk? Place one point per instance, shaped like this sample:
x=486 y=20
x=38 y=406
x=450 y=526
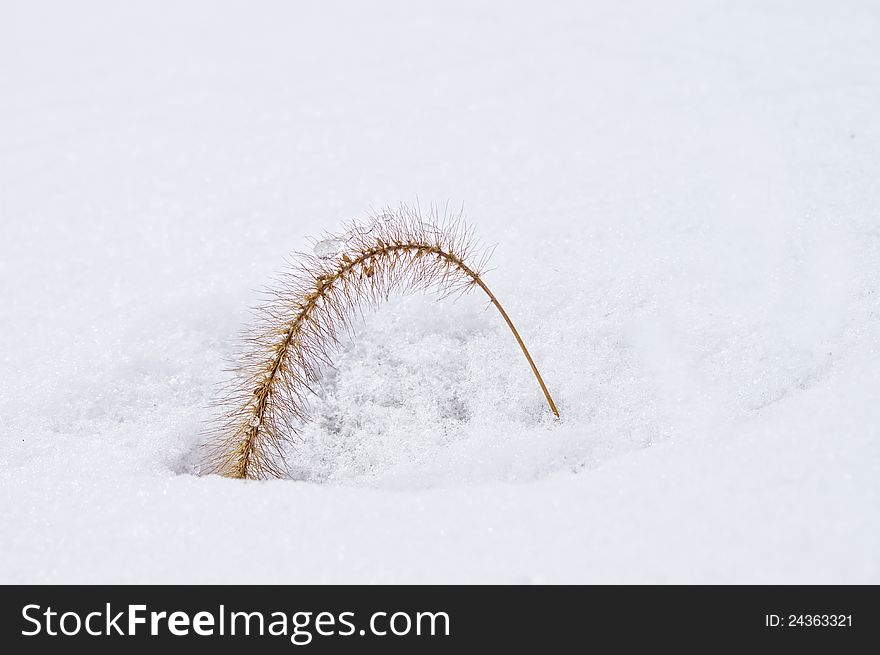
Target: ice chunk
x=329 y=248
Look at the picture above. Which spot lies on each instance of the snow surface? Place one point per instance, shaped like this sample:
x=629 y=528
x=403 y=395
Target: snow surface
x=684 y=198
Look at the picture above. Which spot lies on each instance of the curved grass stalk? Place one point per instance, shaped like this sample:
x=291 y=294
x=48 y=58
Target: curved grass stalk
x=316 y=303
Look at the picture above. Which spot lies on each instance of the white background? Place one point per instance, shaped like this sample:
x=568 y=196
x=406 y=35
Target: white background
x=684 y=198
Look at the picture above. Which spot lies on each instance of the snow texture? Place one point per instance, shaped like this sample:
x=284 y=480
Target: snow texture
x=685 y=202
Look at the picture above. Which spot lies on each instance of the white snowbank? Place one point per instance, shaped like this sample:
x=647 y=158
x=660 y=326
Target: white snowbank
x=687 y=215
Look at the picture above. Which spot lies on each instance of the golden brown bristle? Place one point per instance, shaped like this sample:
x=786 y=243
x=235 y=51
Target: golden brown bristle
x=316 y=304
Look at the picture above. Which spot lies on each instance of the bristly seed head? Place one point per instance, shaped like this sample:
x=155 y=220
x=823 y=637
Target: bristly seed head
x=317 y=304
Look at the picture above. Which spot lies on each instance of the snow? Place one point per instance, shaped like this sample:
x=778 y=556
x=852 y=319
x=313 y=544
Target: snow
x=685 y=204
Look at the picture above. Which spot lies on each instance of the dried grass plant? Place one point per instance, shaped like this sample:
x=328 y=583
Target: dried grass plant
x=315 y=304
